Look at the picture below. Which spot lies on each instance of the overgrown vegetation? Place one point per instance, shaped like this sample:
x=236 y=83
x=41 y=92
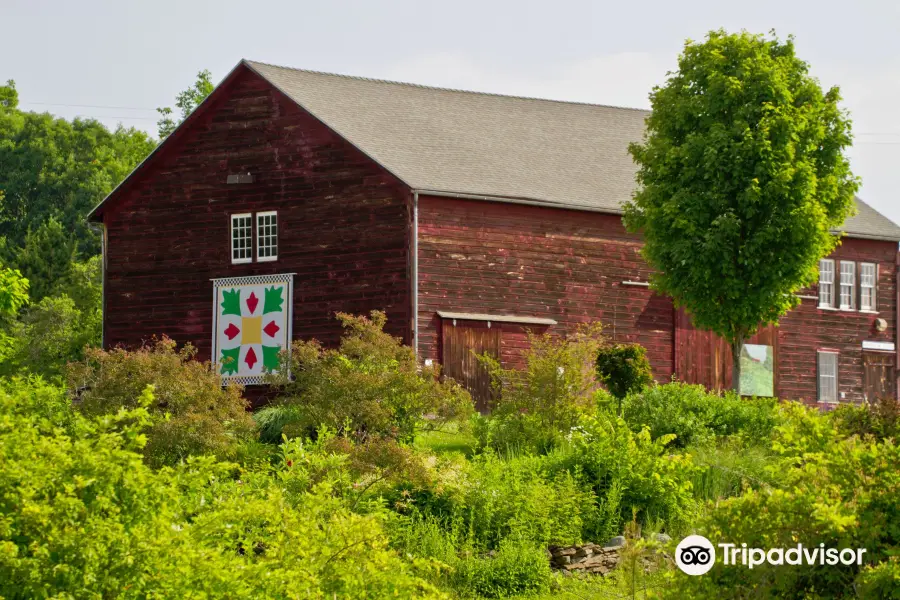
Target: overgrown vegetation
x=372 y=385
x=147 y=456
x=191 y=412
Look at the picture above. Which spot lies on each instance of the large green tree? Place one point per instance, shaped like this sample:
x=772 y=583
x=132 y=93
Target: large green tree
x=55 y=168
x=742 y=180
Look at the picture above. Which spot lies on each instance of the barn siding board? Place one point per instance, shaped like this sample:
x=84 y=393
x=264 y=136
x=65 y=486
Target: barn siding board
x=490 y=257
x=343 y=224
x=808 y=328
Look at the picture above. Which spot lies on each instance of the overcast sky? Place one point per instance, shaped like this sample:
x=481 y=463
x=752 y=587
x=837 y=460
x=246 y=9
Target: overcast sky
x=117 y=60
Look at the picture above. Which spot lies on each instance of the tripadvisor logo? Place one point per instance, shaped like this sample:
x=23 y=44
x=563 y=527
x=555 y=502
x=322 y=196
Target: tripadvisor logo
x=696 y=555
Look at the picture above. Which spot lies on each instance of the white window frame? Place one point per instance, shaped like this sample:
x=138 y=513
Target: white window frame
x=249 y=247
x=826 y=283
x=851 y=275
x=261 y=237
x=822 y=393
x=864 y=285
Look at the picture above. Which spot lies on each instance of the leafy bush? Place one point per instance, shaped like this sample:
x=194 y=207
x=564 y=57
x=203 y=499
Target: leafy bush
x=517 y=567
x=192 y=412
x=624 y=369
x=695 y=415
x=880 y=419
x=632 y=476
x=82 y=516
x=371 y=385
x=838 y=491
x=490 y=499
x=540 y=403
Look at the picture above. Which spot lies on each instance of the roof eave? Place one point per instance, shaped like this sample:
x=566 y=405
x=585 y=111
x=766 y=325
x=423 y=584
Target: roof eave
x=516 y=200
x=95 y=213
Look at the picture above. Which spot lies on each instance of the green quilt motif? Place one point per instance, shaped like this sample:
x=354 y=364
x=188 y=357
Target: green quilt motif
x=229 y=361
x=274 y=300
x=271 y=358
x=231 y=302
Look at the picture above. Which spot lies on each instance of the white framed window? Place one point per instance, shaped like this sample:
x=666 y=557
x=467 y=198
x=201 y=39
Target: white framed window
x=848 y=285
x=868 y=275
x=826 y=283
x=242 y=238
x=267 y=236
x=828 y=376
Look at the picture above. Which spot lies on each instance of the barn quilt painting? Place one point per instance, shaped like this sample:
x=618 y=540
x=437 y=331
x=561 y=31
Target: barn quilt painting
x=251 y=325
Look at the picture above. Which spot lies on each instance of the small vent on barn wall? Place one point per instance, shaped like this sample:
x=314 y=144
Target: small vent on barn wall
x=239 y=178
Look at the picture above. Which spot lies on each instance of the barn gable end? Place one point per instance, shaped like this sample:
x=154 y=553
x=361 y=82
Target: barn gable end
x=343 y=221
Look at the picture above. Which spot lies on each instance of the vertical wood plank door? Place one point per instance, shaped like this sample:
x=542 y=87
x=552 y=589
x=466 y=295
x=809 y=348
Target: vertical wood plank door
x=880 y=376
x=460 y=344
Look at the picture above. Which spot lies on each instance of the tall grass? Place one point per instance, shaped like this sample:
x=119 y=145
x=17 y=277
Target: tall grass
x=731 y=467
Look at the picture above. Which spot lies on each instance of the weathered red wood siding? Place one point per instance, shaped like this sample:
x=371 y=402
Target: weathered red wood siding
x=488 y=257
x=343 y=223
x=807 y=328
x=485 y=257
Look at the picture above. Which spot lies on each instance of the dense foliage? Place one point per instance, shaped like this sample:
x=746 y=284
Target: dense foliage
x=694 y=416
x=82 y=516
x=192 y=412
x=742 y=179
x=624 y=369
x=370 y=385
x=57 y=169
x=539 y=403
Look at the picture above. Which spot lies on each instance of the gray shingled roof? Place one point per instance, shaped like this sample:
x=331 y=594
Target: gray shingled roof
x=565 y=153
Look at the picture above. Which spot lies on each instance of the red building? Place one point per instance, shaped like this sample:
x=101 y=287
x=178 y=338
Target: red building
x=469 y=218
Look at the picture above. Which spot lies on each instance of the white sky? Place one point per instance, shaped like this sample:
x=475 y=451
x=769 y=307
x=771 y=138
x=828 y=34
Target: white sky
x=136 y=55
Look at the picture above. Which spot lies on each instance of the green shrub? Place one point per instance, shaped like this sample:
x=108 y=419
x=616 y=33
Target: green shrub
x=518 y=567
x=695 y=415
x=880 y=419
x=540 y=403
x=624 y=369
x=372 y=385
x=192 y=412
x=82 y=516
x=490 y=499
x=838 y=491
x=632 y=476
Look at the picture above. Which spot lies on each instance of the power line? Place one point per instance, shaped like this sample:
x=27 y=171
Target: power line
x=89 y=106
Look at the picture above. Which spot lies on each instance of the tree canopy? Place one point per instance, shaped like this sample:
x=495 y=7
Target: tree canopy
x=53 y=168
x=742 y=180
x=186 y=101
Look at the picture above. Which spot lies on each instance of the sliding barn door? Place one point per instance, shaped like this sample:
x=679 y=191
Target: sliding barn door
x=460 y=343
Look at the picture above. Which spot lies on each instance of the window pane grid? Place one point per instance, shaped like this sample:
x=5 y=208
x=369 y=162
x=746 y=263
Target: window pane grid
x=241 y=238
x=848 y=284
x=826 y=283
x=266 y=236
x=828 y=377
x=867 y=286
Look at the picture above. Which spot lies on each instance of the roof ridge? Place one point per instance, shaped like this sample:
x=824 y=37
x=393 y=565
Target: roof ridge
x=444 y=89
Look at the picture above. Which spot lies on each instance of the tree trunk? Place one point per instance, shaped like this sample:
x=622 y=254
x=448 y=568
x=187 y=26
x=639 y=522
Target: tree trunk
x=737 y=347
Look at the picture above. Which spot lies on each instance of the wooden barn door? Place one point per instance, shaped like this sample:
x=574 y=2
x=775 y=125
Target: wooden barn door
x=460 y=343
x=879 y=375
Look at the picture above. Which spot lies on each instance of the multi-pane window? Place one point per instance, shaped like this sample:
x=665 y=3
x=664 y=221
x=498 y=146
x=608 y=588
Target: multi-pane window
x=848 y=285
x=826 y=282
x=867 y=277
x=828 y=381
x=266 y=236
x=242 y=238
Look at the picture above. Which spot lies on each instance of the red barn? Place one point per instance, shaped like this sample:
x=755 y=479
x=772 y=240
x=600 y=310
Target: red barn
x=469 y=218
